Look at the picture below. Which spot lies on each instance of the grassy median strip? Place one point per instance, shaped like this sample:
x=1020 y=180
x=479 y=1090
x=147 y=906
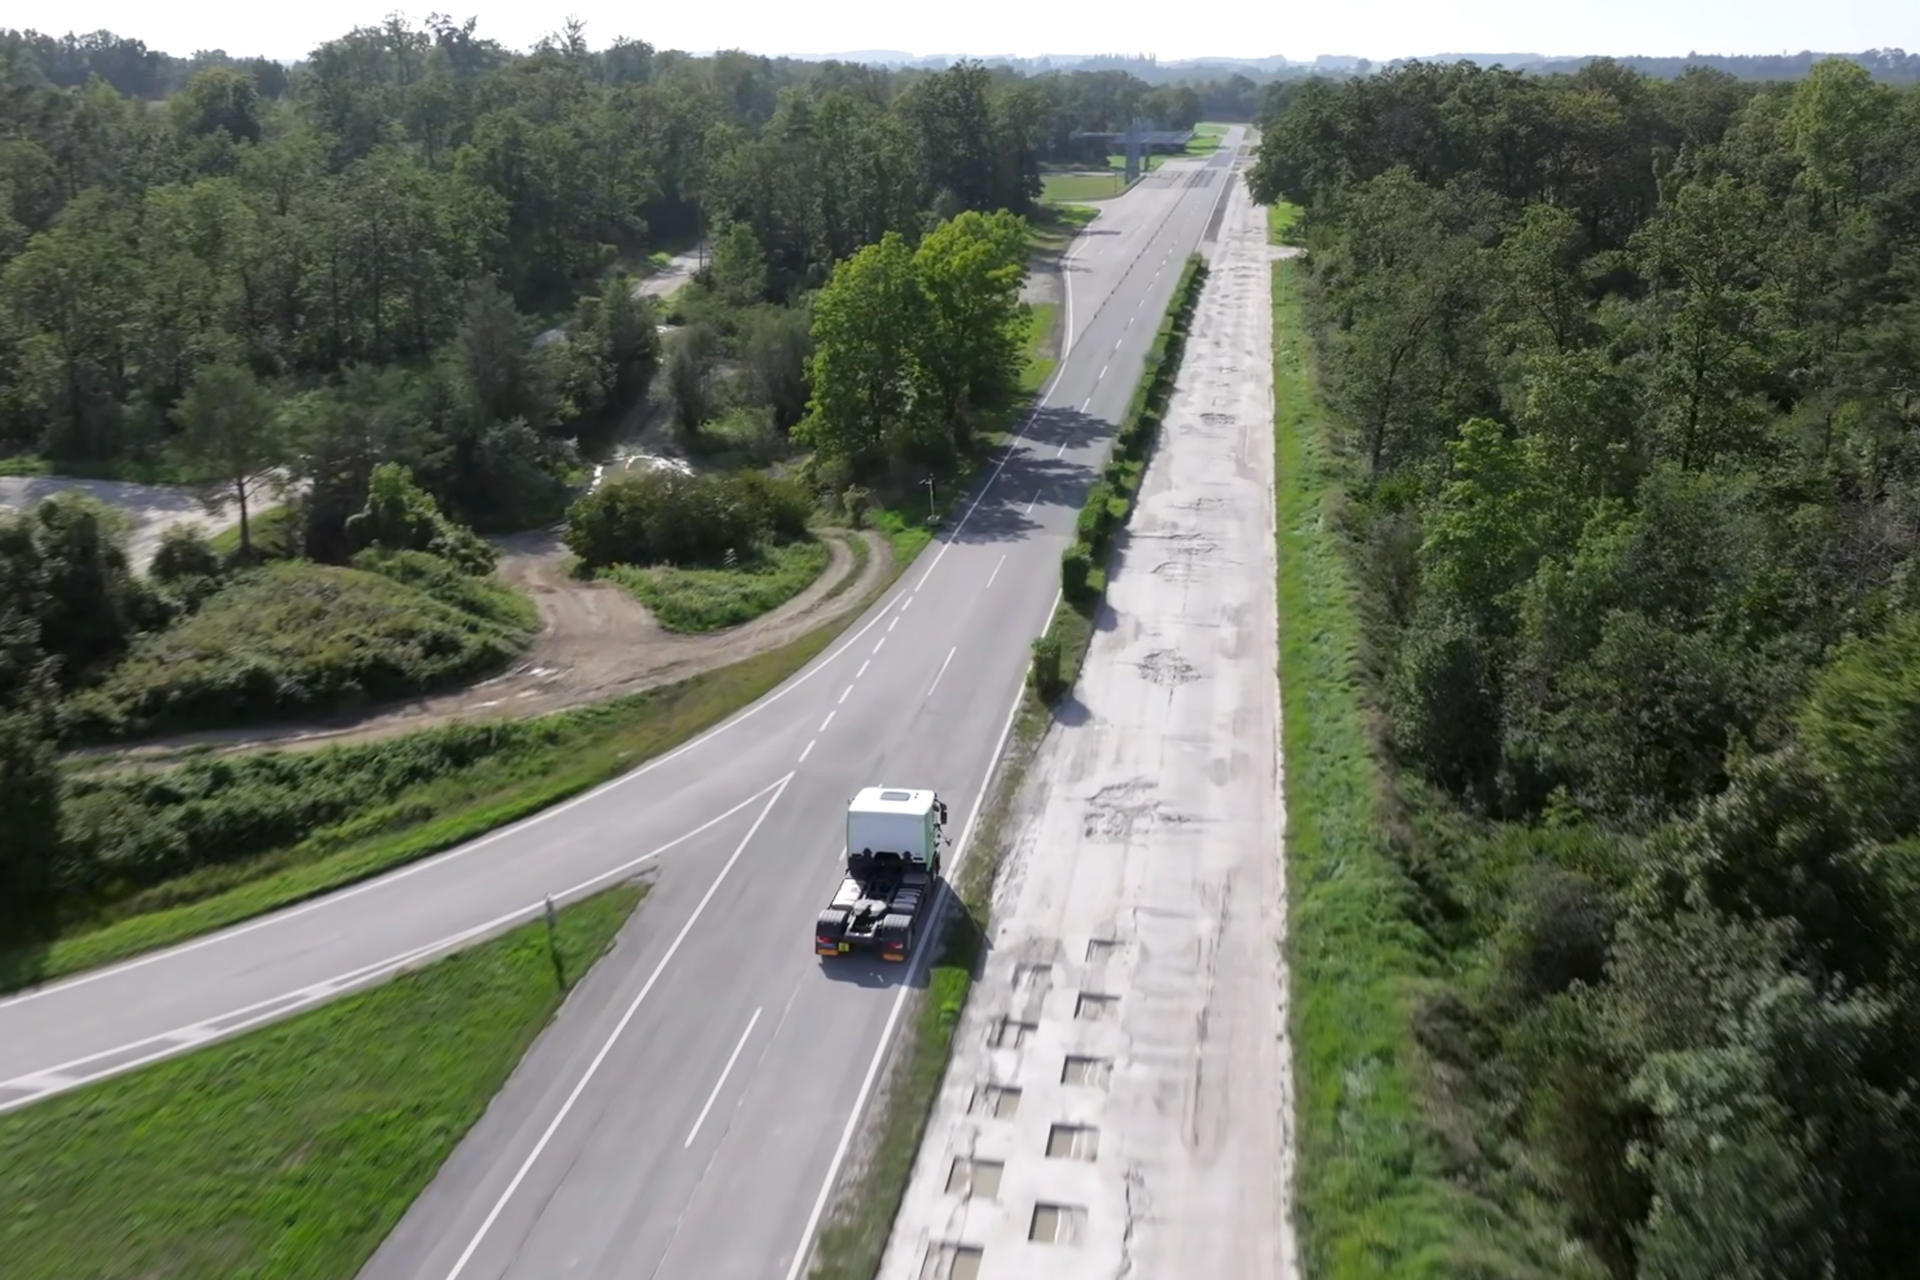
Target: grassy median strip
x=291 y=1151
x=1370 y=1202
x=853 y=1239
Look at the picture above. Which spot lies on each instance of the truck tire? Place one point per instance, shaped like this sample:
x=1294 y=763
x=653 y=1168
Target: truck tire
x=897 y=926
x=831 y=924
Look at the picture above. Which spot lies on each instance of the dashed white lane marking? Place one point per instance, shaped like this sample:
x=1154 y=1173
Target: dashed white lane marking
x=1003 y=555
x=942 y=671
x=593 y=1067
x=1105 y=367
x=893 y=624
x=863 y=668
x=843 y=696
x=168 y=1043
x=808 y=751
x=1029 y=511
x=724 y=1073
x=883 y=641
x=826 y=722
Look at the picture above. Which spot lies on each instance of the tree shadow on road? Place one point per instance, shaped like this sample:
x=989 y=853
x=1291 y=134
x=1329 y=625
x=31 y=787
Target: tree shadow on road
x=24 y=951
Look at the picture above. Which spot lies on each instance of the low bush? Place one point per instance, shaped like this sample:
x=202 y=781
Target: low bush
x=698 y=600
x=292 y=638
x=668 y=517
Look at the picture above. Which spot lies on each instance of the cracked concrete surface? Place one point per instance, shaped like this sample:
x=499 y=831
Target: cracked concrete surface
x=1135 y=992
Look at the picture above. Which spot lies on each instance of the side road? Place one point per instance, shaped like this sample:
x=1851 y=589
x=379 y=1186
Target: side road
x=1120 y=1098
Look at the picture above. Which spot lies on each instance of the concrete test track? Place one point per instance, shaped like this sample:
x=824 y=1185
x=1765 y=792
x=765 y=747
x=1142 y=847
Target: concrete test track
x=688 y=1110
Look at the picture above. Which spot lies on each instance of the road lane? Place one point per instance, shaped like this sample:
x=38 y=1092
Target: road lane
x=917 y=692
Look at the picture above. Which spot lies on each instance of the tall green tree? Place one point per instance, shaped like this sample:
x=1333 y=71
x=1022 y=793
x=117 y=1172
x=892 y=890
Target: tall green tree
x=231 y=440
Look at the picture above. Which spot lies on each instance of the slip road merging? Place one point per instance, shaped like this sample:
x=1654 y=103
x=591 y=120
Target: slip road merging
x=687 y=1112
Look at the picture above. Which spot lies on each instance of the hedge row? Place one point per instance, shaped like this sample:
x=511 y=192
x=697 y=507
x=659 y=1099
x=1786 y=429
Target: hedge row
x=1083 y=574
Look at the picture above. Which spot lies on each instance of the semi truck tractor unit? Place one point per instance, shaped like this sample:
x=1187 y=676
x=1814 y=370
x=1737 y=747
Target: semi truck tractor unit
x=894 y=838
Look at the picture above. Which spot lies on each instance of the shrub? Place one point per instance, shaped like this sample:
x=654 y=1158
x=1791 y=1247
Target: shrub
x=856 y=500
x=401 y=516
x=780 y=508
x=1076 y=567
x=1044 y=673
x=668 y=517
x=185 y=553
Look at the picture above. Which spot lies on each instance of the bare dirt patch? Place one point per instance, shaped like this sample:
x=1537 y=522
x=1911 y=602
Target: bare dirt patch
x=596 y=642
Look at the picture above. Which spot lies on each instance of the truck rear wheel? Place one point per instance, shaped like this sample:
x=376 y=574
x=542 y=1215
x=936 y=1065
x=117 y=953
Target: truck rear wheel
x=830 y=931
x=896 y=937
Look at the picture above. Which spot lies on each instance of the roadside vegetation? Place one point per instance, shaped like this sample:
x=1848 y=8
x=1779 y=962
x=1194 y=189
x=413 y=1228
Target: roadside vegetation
x=1057 y=655
x=290 y=1151
x=853 y=1239
x=152 y=857
x=1600 y=672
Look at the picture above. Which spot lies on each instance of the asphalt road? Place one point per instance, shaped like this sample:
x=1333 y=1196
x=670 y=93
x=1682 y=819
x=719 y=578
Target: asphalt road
x=686 y=1111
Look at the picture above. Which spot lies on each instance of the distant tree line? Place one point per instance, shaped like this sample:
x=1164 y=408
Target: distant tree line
x=1627 y=373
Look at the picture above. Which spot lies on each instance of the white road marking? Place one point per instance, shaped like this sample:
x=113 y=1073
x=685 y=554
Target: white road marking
x=893 y=624
x=843 y=696
x=942 y=671
x=916 y=969
x=288 y=1001
x=808 y=751
x=909 y=600
x=593 y=1067
x=724 y=1073
x=451 y=855
x=863 y=668
x=1029 y=511
x=1106 y=366
x=1003 y=555
x=876 y=648
x=827 y=721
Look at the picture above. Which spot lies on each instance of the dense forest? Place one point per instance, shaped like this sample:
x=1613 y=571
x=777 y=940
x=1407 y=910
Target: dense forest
x=396 y=208
x=1627 y=374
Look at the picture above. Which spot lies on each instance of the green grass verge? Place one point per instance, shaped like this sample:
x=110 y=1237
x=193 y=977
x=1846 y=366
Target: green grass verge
x=1066 y=188
x=126 y=470
x=1369 y=1203
x=291 y=1151
x=1118 y=161
x=275 y=533
x=700 y=600
x=373 y=807
x=292 y=638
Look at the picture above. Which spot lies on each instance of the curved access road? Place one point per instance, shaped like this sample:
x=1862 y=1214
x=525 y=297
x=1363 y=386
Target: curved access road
x=687 y=1111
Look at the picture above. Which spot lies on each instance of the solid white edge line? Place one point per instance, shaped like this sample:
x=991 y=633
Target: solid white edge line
x=593 y=1067
x=294 y=1000
x=899 y=1001
x=721 y=1082
x=451 y=855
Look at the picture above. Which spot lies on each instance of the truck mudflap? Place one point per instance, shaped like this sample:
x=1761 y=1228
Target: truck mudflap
x=830 y=933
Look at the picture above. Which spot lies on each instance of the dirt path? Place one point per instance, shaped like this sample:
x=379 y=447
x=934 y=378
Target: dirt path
x=596 y=642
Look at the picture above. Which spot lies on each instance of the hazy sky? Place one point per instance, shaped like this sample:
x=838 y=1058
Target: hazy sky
x=1380 y=30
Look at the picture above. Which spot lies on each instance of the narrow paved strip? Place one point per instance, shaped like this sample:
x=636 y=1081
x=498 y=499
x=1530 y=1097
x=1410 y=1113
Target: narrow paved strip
x=1120 y=1098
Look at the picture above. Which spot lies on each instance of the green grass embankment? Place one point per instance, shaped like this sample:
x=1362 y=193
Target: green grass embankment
x=291 y=1151
x=1370 y=1202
